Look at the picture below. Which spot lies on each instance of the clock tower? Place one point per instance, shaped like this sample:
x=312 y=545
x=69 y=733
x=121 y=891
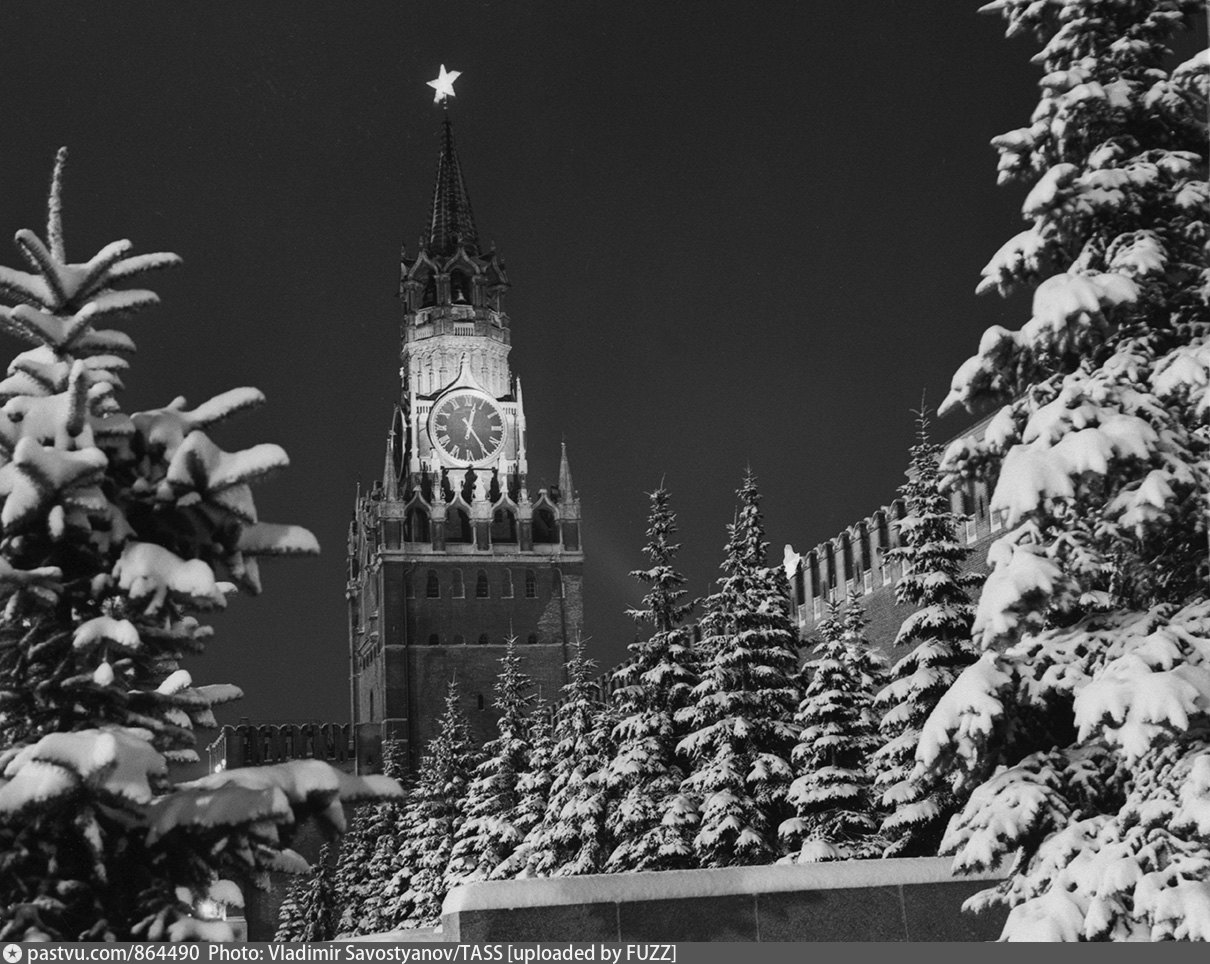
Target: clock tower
x=455 y=551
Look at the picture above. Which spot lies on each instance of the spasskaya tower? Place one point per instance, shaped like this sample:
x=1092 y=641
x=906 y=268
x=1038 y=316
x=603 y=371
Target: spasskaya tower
x=454 y=552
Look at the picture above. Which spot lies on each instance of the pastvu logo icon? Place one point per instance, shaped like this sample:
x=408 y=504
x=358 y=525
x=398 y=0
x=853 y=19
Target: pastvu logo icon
x=12 y=953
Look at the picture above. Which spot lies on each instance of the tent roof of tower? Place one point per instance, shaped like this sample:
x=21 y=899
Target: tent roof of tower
x=452 y=235
x=451 y=221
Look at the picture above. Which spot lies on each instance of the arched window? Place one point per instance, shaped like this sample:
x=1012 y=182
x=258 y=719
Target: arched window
x=506 y=584
x=416 y=525
x=800 y=588
x=533 y=639
x=434 y=639
x=460 y=288
x=371 y=705
x=481 y=590
x=483 y=639
x=432 y=588
x=504 y=526
x=457 y=589
x=545 y=530
x=457 y=525
x=556 y=582
x=531 y=584
x=429 y=297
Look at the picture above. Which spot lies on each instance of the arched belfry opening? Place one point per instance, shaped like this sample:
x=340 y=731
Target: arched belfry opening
x=504 y=527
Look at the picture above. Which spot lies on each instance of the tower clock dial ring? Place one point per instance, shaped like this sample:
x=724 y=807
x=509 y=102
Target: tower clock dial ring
x=467 y=427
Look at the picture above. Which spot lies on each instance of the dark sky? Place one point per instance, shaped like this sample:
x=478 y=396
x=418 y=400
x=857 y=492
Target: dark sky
x=739 y=233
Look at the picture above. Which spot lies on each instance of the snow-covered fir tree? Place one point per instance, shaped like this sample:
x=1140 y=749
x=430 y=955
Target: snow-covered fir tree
x=116 y=532
x=1093 y=687
x=289 y=912
x=308 y=912
x=359 y=894
x=533 y=786
x=489 y=835
x=937 y=637
x=374 y=867
x=651 y=820
x=351 y=883
x=741 y=713
x=836 y=815
x=436 y=811
x=572 y=837
x=533 y=791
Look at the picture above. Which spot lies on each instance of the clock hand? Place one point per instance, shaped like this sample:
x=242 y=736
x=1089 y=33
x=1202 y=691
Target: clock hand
x=475 y=434
x=467 y=423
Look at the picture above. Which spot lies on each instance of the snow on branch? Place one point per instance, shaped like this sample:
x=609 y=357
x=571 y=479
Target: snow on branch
x=277 y=791
x=40 y=480
x=276 y=539
x=199 y=464
x=149 y=570
x=967 y=714
x=116 y=761
x=106 y=629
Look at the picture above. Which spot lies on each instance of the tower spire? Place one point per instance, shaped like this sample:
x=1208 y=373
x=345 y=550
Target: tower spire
x=451 y=221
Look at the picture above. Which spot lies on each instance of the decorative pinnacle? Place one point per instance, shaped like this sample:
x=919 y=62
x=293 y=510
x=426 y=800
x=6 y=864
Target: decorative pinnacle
x=443 y=86
x=565 y=488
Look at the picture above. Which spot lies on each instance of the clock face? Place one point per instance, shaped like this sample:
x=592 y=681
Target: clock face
x=467 y=427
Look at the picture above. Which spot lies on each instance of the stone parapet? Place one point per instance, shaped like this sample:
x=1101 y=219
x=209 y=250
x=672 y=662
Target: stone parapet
x=907 y=899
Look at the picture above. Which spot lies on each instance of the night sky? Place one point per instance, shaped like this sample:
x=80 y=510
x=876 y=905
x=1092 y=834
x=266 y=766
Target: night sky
x=739 y=234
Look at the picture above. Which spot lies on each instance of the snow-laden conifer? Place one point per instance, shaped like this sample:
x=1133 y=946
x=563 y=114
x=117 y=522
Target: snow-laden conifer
x=350 y=881
x=1081 y=732
x=308 y=912
x=533 y=786
x=437 y=811
x=937 y=637
x=533 y=792
x=366 y=875
x=740 y=717
x=572 y=837
x=289 y=912
x=117 y=531
x=651 y=819
x=374 y=868
x=489 y=834
x=836 y=815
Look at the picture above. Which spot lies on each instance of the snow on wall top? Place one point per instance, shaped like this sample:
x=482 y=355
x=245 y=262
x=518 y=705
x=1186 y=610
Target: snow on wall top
x=681 y=884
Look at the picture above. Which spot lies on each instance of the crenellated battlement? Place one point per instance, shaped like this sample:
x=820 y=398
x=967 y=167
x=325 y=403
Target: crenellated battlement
x=854 y=563
x=254 y=744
